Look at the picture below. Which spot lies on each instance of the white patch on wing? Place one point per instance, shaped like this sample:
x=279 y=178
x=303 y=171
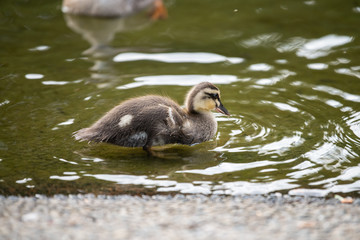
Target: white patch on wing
x=125 y=120
x=171 y=116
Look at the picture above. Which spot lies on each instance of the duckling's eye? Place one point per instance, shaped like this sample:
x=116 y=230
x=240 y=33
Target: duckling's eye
x=212 y=95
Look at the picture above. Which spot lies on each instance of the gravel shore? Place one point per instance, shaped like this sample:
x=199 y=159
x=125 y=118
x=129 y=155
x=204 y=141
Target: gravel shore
x=177 y=217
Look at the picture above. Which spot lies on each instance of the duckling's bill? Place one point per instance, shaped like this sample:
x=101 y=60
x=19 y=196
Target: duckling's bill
x=222 y=109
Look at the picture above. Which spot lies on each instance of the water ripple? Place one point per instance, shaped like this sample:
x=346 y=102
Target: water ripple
x=132 y=179
x=323 y=46
x=177 y=57
x=179 y=80
x=337 y=92
x=350 y=72
x=242 y=187
x=231 y=167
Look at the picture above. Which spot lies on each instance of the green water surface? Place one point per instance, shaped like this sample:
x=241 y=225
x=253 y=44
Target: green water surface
x=288 y=71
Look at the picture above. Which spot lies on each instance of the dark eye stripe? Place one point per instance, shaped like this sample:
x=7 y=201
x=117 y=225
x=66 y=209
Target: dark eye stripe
x=213 y=95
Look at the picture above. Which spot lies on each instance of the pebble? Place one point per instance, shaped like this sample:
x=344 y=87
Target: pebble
x=274 y=216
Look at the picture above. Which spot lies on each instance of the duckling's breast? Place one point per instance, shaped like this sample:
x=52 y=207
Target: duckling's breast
x=201 y=127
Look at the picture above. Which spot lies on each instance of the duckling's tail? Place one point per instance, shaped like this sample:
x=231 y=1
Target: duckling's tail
x=85 y=134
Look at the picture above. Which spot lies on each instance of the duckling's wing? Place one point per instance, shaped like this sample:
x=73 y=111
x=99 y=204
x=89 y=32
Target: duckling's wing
x=138 y=126
x=167 y=126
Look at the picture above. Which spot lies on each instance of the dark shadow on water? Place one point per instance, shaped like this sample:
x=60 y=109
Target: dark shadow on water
x=166 y=158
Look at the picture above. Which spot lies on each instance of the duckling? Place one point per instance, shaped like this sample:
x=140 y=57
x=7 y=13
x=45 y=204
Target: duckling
x=113 y=8
x=155 y=120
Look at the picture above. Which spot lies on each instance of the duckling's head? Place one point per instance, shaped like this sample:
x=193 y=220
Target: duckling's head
x=204 y=97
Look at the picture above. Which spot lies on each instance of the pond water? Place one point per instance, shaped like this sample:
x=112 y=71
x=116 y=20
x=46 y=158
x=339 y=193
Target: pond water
x=289 y=73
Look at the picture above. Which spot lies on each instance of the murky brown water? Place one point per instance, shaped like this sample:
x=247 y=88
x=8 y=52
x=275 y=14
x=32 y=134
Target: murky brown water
x=289 y=73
